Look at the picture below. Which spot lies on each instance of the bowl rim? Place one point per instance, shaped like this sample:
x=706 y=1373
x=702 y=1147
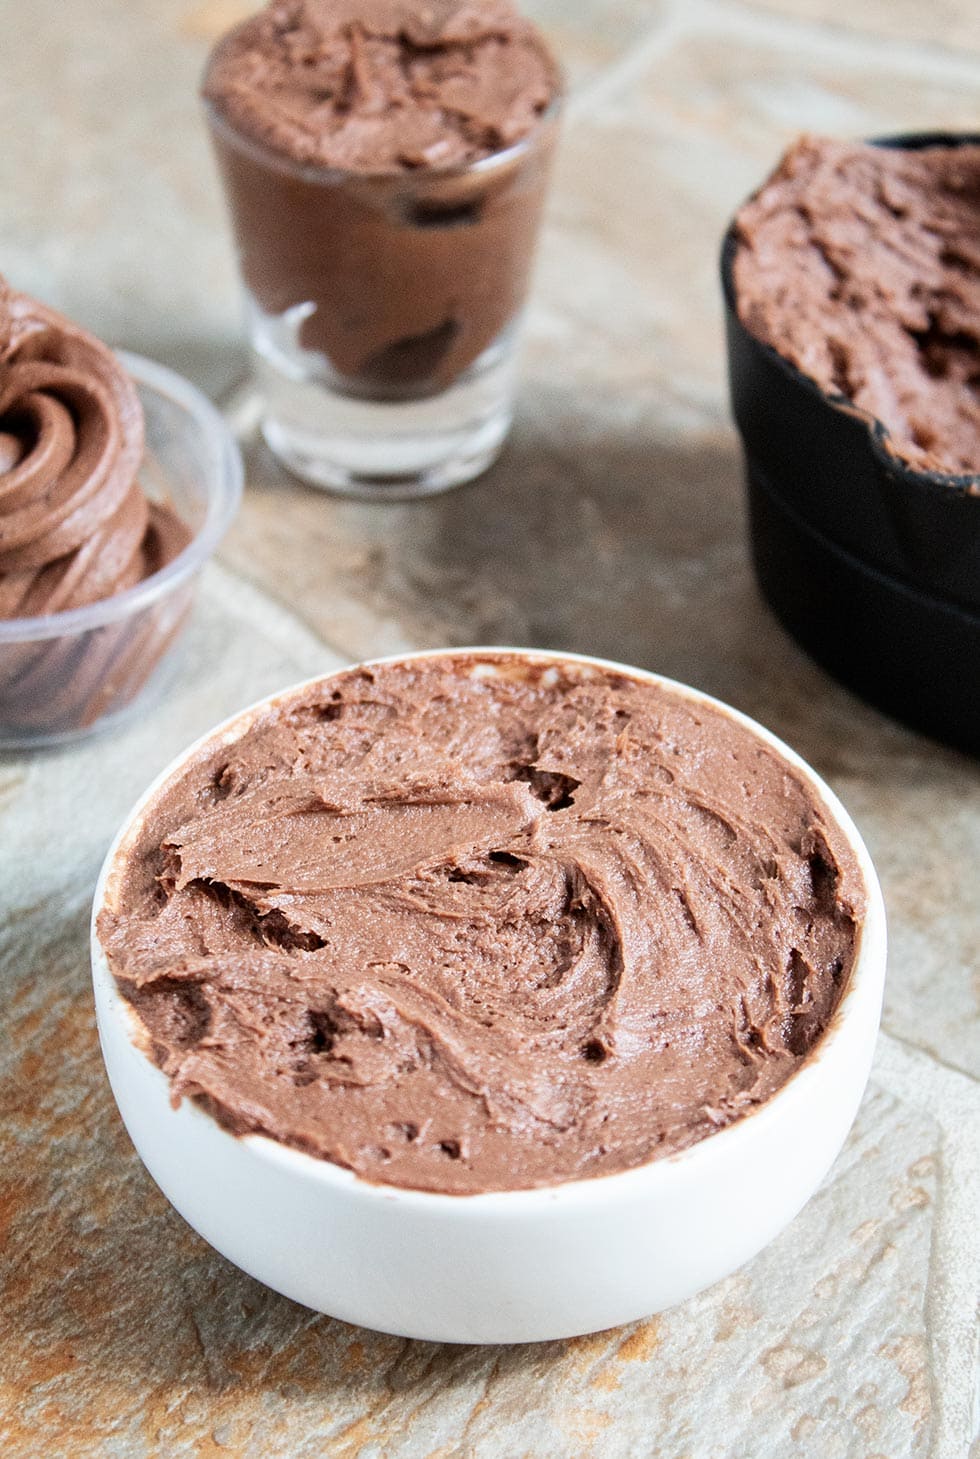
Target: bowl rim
x=224 y=473
x=961 y=484
x=865 y=983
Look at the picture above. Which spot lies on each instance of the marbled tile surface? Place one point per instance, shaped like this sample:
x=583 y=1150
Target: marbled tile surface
x=613 y=524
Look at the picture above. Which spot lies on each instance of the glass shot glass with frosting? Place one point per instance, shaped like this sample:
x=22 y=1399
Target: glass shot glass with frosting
x=117 y=480
x=385 y=166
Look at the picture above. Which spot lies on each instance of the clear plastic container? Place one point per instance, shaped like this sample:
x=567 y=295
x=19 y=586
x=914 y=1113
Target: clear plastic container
x=66 y=674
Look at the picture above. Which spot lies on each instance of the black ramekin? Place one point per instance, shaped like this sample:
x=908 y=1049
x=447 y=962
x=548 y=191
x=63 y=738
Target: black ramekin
x=873 y=567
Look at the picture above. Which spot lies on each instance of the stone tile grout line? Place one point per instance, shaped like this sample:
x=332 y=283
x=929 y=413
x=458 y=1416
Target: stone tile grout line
x=684 y=18
x=953 y=1100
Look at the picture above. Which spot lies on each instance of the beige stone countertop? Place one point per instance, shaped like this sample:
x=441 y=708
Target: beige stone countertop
x=613 y=524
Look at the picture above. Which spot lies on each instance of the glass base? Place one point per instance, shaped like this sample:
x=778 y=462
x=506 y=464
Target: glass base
x=379 y=450
x=383 y=467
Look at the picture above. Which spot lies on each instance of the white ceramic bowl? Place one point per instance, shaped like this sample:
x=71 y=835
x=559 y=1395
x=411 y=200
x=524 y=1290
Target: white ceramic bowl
x=511 y=1266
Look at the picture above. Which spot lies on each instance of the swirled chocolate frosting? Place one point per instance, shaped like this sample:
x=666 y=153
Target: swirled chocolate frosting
x=75 y=525
x=478 y=923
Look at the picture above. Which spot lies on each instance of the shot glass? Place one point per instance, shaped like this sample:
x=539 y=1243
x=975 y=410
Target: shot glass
x=383 y=309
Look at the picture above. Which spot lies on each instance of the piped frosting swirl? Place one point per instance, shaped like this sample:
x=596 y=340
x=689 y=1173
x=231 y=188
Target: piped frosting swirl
x=75 y=524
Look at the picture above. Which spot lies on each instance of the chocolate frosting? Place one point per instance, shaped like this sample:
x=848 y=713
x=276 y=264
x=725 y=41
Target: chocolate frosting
x=383 y=85
x=861 y=265
x=75 y=525
x=477 y=923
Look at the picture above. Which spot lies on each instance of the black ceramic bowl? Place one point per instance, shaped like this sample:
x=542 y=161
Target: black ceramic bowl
x=873 y=567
